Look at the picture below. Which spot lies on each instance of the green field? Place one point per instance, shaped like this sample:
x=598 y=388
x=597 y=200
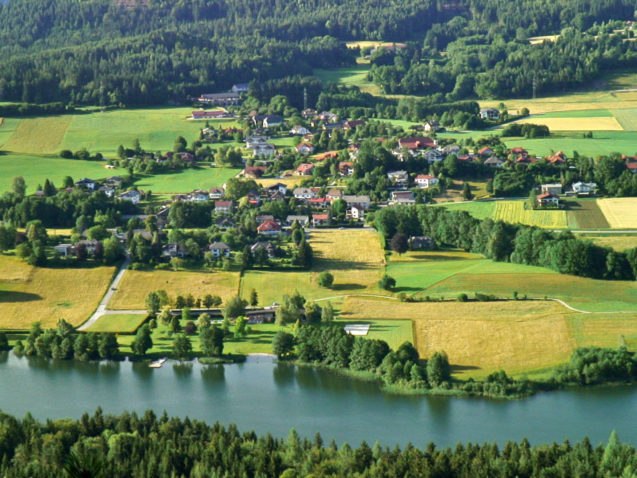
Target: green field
x=35 y=169
x=118 y=323
x=601 y=113
x=515 y=212
x=7 y=128
x=187 y=180
x=478 y=209
x=38 y=135
x=585 y=214
x=350 y=76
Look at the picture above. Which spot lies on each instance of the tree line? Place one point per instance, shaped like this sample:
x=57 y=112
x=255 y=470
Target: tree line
x=500 y=241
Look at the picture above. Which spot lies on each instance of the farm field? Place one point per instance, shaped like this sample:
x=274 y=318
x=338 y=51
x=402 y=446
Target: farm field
x=479 y=210
x=616 y=242
x=290 y=182
x=394 y=332
x=357 y=268
x=514 y=212
x=132 y=291
x=36 y=169
x=602 y=143
x=585 y=214
x=574 y=123
x=38 y=135
x=29 y=294
x=483 y=337
x=118 y=323
x=186 y=180
x=7 y=127
x=627 y=117
x=621 y=213
x=350 y=76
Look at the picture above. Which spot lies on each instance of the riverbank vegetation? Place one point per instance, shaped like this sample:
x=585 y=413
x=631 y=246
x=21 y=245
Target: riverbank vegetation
x=135 y=445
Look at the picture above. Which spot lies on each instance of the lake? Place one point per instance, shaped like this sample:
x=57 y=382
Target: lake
x=265 y=396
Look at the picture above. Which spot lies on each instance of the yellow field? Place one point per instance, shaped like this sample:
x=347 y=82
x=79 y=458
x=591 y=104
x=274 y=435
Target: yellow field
x=542 y=39
x=355 y=248
x=39 y=135
x=29 y=294
x=618 y=243
x=131 y=293
x=576 y=124
x=621 y=213
x=514 y=212
x=367 y=44
x=482 y=337
x=290 y=182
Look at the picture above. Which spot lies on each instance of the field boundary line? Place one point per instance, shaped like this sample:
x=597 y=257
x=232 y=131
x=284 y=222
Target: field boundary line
x=356 y=295
x=587 y=311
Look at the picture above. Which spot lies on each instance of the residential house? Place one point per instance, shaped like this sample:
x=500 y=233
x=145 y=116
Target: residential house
x=553 y=189
x=209 y=114
x=308 y=113
x=304 y=193
x=219 y=249
x=299 y=130
x=416 y=143
x=304 y=169
x=223 y=207
x=267 y=245
x=632 y=167
x=216 y=193
x=400 y=179
x=486 y=151
x=330 y=127
x=187 y=157
x=133 y=196
x=254 y=172
x=305 y=148
x=254 y=198
x=558 y=158
x=90 y=245
x=334 y=194
x=346 y=168
x=260 y=219
x=525 y=160
x=494 y=162
x=327 y=116
x=361 y=201
x=518 y=151
x=355 y=213
x=584 y=189
x=322 y=219
x=279 y=188
x=198 y=196
x=113 y=182
x=269 y=228
x=264 y=150
x=86 y=183
x=174 y=249
x=224 y=222
x=302 y=220
x=548 y=199
x=327 y=155
x=220 y=99
x=240 y=88
x=107 y=190
x=425 y=181
x=403 y=197
x=417 y=243
x=450 y=149
x=64 y=249
x=272 y=120
x=433 y=155
x=490 y=114
x=432 y=126
x=319 y=202
x=251 y=141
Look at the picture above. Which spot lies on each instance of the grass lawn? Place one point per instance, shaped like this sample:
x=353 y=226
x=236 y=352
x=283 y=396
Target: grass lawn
x=627 y=117
x=29 y=294
x=7 y=128
x=187 y=180
x=585 y=214
x=617 y=242
x=350 y=76
x=514 y=212
x=394 y=332
x=132 y=291
x=621 y=213
x=36 y=169
x=156 y=129
x=602 y=143
x=39 y=135
x=479 y=210
x=118 y=323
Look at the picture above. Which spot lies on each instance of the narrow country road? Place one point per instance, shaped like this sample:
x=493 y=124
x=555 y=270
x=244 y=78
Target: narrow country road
x=101 y=308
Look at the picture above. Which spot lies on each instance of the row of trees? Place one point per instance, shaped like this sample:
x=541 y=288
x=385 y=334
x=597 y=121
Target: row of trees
x=505 y=242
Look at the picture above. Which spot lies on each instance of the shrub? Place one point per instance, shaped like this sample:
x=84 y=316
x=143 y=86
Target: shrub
x=325 y=279
x=387 y=282
x=463 y=297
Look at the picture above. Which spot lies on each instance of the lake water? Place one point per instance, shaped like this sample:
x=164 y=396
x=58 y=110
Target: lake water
x=264 y=396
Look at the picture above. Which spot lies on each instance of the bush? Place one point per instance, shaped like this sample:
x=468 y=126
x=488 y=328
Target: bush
x=463 y=297
x=387 y=282
x=325 y=279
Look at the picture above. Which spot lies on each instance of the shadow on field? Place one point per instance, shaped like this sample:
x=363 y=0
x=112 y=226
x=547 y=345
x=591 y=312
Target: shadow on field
x=341 y=287
x=10 y=296
x=463 y=368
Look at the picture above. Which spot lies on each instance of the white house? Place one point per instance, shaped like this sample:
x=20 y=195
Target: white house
x=303 y=193
x=490 y=114
x=581 y=188
x=433 y=155
x=360 y=201
x=219 y=249
x=402 y=197
x=425 y=181
x=400 y=178
x=299 y=130
x=133 y=196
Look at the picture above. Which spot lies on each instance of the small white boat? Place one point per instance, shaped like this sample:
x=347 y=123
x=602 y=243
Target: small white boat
x=158 y=363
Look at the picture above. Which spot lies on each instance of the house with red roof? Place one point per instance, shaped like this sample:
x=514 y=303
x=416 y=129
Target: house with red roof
x=305 y=148
x=269 y=228
x=346 y=168
x=425 y=181
x=416 y=143
x=486 y=151
x=632 y=167
x=254 y=172
x=304 y=169
x=548 y=199
x=320 y=219
x=519 y=151
x=557 y=158
x=327 y=155
x=353 y=124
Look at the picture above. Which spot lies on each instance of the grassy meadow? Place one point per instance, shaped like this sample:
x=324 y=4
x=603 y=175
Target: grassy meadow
x=30 y=294
x=186 y=180
x=617 y=242
x=135 y=286
x=514 y=212
x=118 y=323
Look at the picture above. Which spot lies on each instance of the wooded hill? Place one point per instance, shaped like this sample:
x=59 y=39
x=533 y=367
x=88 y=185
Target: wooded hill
x=153 y=51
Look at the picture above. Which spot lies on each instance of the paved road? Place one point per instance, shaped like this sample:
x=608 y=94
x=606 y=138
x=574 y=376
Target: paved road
x=101 y=308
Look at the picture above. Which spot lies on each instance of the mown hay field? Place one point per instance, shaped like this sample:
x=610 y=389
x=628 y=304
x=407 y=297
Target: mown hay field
x=602 y=143
x=605 y=330
x=394 y=332
x=627 y=117
x=585 y=214
x=135 y=286
x=186 y=180
x=118 y=323
x=349 y=76
x=39 y=135
x=621 y=213
x=514 y=212
x=290 y=182
x=616 y=242
x=7 y=128
x=478 y=209
x=30 y=294
x=576 y=123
